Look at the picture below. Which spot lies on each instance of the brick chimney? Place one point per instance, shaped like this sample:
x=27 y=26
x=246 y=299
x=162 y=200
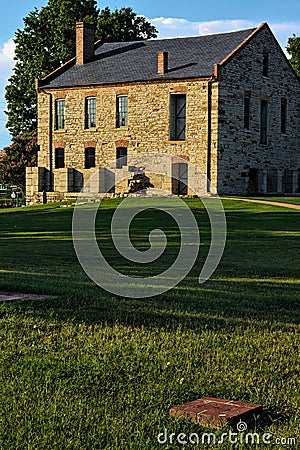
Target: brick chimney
x=162 y=63
x=85 y=38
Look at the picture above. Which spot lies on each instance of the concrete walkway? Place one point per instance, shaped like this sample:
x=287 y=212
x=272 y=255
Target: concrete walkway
x=265 y=202
x=14 y=296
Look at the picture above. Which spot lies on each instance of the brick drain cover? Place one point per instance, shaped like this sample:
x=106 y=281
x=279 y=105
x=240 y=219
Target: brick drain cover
x=14 y=296
x=215 y=412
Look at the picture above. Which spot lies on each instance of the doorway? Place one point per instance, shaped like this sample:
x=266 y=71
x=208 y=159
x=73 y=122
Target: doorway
x=180 y=178
x=253 y=181
x=121 y=157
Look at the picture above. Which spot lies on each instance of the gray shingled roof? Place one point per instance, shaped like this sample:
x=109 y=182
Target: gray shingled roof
x=189 y=57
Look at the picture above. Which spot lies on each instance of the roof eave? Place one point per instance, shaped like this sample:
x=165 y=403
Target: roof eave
x=42 y=82
x=148 y=80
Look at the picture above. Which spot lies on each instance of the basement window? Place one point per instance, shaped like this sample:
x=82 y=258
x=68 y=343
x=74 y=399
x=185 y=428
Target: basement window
x=59 y=114
x=121 y=157
x=90 y=159
x=177 y=117
x=59 y=158
x=122 y=111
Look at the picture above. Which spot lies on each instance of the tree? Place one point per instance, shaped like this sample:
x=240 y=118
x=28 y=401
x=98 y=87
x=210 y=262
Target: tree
x=48 y=40
x=293 y=48
x=20 y=154
x=123 y=26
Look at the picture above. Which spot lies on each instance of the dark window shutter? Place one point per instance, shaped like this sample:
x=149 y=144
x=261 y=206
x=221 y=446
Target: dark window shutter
x=177 y=116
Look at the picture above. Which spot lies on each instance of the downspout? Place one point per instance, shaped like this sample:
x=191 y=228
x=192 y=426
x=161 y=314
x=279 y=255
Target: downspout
x=38 y=89
x=51 y=187
x=209 y=132
x=212 y=80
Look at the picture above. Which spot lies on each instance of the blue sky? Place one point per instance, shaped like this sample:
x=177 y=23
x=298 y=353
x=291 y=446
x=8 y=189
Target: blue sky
x=171 y=18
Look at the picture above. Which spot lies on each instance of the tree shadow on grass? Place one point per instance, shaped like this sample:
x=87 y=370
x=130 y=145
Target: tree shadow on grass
x=256 y=283
x=217 y=305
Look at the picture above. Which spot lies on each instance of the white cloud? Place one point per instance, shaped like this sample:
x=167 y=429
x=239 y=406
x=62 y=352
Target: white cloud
x=286 y=27
x=285 y=30
x=7 y=53
x=9 y=49
x=174 y=27
x=222 y=26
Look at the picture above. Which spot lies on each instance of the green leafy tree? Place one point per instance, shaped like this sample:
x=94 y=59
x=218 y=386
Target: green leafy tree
x=293 y=48
x=48 y=40
x=20 y=154
x=123 y=26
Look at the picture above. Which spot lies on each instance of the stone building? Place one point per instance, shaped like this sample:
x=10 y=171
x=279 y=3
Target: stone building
x=227 y=103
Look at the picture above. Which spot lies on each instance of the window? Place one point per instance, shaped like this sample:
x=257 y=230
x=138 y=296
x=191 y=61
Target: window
x=122 y=111
x=266 y=64
x=283 y=115
x=247 y=112
x=90 y=112
x=59 y=114
x=121 y=157
x=177 y=117
x=59 y=158
x=264 y=122
x=90 y=157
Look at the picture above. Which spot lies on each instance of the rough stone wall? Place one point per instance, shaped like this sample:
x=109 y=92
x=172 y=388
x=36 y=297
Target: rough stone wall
x=236 y=153
x=147 y=130
x=239 y=149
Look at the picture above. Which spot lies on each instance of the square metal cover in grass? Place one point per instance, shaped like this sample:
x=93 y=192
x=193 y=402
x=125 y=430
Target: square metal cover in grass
x=215 y=412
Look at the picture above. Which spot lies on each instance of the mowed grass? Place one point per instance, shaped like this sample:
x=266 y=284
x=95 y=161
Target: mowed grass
x=87 y=370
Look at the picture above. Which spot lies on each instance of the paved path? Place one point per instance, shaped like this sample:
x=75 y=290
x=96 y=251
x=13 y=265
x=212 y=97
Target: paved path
x=13 y=296
x=265 y=202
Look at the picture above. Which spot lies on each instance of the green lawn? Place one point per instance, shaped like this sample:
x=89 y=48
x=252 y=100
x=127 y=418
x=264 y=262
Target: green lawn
x=87 y=370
